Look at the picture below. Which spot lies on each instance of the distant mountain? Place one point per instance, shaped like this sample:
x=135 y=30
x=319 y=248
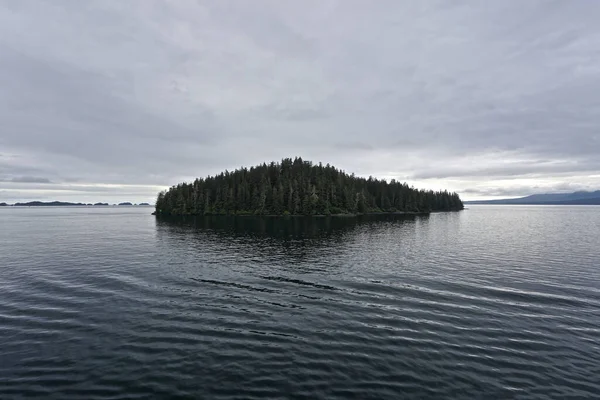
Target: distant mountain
x=575 y=198
x=143 y=204
x=125 y=204
x=48 y=204
x=101 y=204
x=3 y=204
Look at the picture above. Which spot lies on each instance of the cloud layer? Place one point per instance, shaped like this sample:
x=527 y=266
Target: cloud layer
x=114 y=100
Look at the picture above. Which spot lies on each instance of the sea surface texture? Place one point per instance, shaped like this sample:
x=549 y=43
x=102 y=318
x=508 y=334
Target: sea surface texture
x=113 y=303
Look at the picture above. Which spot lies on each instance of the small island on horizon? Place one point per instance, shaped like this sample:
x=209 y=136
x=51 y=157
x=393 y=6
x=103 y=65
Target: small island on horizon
x=298 y=187
x=67 y=204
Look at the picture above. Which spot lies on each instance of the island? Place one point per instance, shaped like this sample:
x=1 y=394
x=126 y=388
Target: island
x=557 y=199
x=48 y=204
x=58 y=204
x=298 y=187
x=3 y=205
x=125 y=204
x=143 y=204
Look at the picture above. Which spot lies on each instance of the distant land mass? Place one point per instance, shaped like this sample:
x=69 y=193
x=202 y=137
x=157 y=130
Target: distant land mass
x=3 y=204
x=48 y=204
x=298 y=187
x=63 y=204
x=575 y=198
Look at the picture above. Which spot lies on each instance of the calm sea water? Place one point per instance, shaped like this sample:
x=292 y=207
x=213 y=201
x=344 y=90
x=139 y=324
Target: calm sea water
x=491 y=302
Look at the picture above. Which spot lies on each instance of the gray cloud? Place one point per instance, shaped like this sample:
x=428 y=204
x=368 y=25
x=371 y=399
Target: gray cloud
x=359 y=146
x=482 y=98
x=30 y=179
x=507 y=170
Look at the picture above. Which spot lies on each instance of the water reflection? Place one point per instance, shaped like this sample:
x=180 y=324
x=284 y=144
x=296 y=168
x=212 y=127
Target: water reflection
x=293 y=241
x=281 y=228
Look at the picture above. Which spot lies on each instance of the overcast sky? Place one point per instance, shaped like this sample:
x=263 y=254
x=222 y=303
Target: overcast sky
x=115 y=100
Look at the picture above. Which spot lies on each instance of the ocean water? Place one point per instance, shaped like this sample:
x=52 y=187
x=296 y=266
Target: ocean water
x=113 y=303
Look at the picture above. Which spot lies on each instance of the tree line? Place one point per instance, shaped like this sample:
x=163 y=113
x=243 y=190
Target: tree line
x=298 y=187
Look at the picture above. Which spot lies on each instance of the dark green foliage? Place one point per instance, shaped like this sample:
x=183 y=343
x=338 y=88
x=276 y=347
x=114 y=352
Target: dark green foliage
x=297 y=187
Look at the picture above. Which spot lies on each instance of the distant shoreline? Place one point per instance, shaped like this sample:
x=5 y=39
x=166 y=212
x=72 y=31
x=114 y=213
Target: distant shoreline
x=582 y=202
x=68 y=204
x=581 y=198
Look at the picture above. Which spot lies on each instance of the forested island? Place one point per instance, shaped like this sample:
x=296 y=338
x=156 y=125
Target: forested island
x=298 y=187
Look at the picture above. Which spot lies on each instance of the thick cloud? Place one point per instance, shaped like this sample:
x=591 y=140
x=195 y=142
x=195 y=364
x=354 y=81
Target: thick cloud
x=111 y=101
x=29 y=179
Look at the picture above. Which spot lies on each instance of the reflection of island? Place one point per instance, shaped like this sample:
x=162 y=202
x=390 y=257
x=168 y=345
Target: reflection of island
x=281 y=227
x=282 y=239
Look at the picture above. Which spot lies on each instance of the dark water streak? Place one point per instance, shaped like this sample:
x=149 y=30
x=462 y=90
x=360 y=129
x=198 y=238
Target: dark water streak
x=491 y=302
